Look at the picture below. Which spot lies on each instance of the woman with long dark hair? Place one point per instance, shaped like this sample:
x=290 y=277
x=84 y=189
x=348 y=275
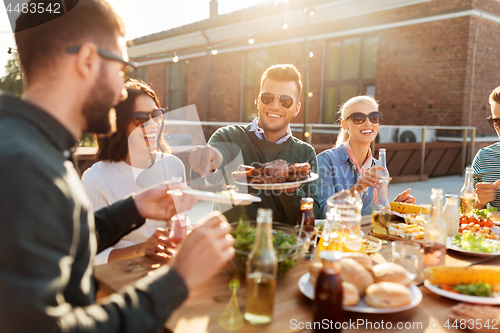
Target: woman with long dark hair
x=131 y=159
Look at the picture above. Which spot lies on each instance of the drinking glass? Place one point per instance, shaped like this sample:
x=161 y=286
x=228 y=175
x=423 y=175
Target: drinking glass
x=177 y=229
x=409 y=255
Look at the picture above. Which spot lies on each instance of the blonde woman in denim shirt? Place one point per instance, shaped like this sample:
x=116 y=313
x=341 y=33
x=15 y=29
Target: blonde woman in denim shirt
x=350 y=164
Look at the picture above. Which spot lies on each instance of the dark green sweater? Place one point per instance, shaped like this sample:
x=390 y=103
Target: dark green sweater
x=236 y=139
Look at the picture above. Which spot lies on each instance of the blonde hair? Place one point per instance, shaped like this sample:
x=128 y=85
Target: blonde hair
x=344 y=113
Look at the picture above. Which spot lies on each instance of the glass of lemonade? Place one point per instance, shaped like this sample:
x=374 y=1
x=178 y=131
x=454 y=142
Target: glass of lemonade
x=342 y=230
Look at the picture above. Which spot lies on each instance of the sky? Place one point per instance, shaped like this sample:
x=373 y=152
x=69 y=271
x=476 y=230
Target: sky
x=141 y=17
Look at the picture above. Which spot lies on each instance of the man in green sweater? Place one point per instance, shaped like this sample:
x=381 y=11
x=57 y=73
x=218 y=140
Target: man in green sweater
x=267 y=138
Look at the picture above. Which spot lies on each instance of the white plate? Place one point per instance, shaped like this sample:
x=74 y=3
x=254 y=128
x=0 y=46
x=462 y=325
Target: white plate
x=307 y=289
x=281 y=186
x=454 y=247
x=236 y=199
x=461 y=297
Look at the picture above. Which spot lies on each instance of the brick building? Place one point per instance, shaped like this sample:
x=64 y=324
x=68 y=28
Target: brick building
x=428 y=62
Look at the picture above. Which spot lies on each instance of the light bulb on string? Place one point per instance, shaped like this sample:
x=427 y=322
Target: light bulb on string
x=311 y=13
x=285 y=25
x=175 y=58
x=214 y=52
x=251 y=41
x=311 y=54
x=310 y=94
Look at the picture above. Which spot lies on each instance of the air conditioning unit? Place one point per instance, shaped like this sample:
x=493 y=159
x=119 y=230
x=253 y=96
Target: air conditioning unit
x=414 y=134
x=404 y=134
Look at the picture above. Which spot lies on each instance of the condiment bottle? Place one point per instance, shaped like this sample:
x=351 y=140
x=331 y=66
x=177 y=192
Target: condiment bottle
x=305 y=219
x=467 y=194
x=328 y=294
x=451 y=214
x=435 y=232
x=381 y=211
x=261 y=272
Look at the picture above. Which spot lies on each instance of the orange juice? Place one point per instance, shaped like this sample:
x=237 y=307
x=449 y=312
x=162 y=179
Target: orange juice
x=341 y=241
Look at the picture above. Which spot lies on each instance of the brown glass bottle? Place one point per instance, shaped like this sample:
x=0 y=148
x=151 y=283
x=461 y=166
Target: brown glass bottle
x=328 y=311
x=306 y=215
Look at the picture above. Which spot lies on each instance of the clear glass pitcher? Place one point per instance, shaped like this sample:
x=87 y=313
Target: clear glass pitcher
x=342 y=230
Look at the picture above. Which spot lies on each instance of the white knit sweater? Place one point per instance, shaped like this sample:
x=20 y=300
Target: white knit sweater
x=109 y=182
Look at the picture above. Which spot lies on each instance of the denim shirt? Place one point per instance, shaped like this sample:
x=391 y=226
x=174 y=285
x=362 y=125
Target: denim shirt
x=336 y=173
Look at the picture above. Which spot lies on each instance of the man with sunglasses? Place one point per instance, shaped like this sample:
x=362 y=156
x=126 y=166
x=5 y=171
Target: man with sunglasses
x=74 y=64
x=266 y=139
x=486 y=164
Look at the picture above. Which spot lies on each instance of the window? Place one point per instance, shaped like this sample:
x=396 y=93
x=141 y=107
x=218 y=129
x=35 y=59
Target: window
x=255 y=63
x=176 y=96
x=350 y=71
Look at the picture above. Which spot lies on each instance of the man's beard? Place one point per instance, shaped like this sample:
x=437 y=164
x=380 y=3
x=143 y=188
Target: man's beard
x=98 y=111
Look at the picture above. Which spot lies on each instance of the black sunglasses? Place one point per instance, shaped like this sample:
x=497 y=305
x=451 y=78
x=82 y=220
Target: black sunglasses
x=359 y=117
x=268 y=97
x=494 y=122
x=141 y=117
x=128 y=66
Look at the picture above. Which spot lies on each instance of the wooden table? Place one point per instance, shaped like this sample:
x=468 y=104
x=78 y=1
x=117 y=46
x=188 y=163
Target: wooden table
x=201 y=311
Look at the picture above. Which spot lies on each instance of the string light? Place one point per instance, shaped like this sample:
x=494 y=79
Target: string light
x=251 y=41
x=10 y=50
x=312 y=13
x=175 y=58
x=310 y=94
x=214 y=52
x=285 y=26
x=311 y=54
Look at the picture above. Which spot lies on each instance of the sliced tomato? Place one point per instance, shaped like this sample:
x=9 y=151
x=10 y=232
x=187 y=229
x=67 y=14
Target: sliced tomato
x=448 y=287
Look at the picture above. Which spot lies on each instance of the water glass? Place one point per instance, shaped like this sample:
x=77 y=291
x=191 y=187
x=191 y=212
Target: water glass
x=409 y=255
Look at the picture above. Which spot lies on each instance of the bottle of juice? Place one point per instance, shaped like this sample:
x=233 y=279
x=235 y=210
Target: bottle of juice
x=261 y=272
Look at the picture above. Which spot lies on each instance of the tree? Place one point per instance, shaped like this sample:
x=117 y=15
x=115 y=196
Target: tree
x=12 y=82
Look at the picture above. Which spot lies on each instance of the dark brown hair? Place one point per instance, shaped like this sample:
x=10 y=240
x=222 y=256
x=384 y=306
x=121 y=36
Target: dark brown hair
x=283 y=73
x=42 y=38
x=115 y=147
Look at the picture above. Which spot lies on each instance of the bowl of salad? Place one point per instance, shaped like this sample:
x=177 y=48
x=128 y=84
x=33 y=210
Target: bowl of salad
x=287 y=246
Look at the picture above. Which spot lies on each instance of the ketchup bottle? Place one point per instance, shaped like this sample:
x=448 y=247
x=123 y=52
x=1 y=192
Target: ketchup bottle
x=328 y=311
x=306 y=215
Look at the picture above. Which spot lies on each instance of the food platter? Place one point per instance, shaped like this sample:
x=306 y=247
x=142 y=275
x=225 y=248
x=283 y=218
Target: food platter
x=242 y=199
x=454 y=247
x=307 y=289
x=280 y=186
x=495 y=300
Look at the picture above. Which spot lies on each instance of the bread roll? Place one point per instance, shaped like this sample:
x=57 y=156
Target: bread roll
x=314 y=270
x=353 y=272
x=350 y=294
x=390 y=272
x=387 y=295
x=361 y=258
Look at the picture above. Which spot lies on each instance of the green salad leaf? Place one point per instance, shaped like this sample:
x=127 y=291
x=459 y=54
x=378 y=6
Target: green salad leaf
x=244 y=238
x=484 y=212
x=479 y=289
x=471 y=242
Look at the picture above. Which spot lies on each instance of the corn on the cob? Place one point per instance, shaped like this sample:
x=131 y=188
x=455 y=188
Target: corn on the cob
x=463 y=275
x=405 y=208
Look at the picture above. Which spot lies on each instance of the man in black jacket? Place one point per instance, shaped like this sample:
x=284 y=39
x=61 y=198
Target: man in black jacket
x=73 y=63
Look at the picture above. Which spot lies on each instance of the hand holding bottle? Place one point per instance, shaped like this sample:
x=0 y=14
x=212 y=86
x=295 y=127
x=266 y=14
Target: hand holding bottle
x=370 y=177
x=486 y=192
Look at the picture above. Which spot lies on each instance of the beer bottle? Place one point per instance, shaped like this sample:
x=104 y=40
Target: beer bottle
x=261 y=272
x=467 y=194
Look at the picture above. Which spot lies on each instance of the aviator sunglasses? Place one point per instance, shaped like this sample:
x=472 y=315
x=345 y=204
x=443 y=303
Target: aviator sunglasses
x=141 y=117
x=268 y=97
x=359 y=117
x=128 y=66
x=494 y=122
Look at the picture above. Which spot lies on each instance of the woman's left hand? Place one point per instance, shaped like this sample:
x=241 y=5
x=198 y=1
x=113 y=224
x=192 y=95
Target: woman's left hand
x=405 y=197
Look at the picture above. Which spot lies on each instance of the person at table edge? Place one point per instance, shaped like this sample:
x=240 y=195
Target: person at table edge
x=49 y=234
x=267 y=138
x=486 y=164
